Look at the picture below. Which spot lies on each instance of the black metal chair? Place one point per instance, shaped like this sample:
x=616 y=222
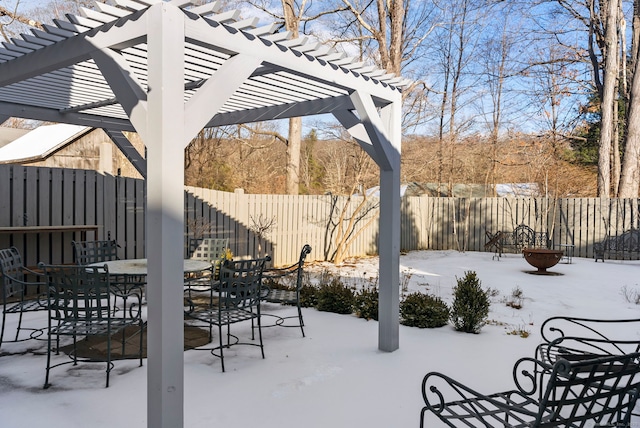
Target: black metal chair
x=18 y=294
x=211 y=250
x=87 y=252
x=273 y=291
x=236 y=299
x=80 y=305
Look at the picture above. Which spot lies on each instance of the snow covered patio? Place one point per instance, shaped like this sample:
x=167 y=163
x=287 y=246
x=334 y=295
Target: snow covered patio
x=335 y=376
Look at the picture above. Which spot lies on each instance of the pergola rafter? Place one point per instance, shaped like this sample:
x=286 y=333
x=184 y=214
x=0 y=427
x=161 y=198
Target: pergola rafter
x=167 y=69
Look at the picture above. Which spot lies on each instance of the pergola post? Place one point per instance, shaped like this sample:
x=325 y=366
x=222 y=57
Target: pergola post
x=165 y=219
x=389 y=236
x=379 y=133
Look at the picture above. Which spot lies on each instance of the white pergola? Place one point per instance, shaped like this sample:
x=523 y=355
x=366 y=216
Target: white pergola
x=166 y=70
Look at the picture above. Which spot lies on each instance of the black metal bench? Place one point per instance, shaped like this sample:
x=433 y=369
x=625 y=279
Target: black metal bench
x=515 y=241
x=599 y=391
x=623 y=246
x=578 y=338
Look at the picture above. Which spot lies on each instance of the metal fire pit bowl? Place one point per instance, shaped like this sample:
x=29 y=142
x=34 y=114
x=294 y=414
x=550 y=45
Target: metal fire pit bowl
x=542 y=259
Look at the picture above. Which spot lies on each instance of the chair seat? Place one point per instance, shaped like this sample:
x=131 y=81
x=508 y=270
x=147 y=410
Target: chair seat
x=227 y=317
x=281 y=296
x=69 y=328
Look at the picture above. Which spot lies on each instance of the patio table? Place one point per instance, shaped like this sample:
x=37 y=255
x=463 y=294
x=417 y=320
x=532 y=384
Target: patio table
x=139 y=266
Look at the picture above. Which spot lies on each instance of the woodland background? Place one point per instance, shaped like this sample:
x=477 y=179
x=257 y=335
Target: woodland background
x=537 y=91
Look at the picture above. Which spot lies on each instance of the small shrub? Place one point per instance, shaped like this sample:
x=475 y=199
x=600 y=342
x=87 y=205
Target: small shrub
x=519 y=331
x=492 y=292
x=335 y=297
x=366 y=304
x=631 y=295
x=515 y=300
x=423 y=311
x=308 y=296
x=405 y=278
x=276 y=284
x=470 y=307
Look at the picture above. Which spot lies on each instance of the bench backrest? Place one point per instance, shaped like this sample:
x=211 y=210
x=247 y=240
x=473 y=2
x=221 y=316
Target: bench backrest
x=603 y=390
x=628 y=241
x=524 y=237
x=591 y=335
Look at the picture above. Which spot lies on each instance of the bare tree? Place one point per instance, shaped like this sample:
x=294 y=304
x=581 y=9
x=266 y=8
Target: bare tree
x=630 y=174
x=455 y=48
x=292 y=23
x=10 y=17
x=391 y=34
x=294 y=15
x=608 y=99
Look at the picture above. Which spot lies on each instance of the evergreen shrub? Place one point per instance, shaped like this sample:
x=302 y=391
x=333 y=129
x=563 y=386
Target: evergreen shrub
x=335 y=297
x=470 y=307
x=366 y=303
x=423 y=311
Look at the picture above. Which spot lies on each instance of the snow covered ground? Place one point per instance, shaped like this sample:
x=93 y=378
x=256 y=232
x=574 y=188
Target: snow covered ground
x=335 y=377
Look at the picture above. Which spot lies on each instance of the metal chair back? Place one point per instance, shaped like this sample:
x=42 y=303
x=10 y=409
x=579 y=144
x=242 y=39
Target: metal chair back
x=87 y=252
x=81 y=304
x=208 y=249
x=12 y=273
x=19 y=293
x=240 y=284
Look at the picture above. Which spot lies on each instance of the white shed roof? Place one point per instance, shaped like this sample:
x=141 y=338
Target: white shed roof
x=40 y=142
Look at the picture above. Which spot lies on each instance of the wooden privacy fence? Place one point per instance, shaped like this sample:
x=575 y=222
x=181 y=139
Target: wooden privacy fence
x=462 y=223
x=280 y=225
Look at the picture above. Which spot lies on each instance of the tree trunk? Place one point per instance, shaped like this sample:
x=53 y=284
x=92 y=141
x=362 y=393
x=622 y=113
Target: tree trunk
x=608 y=100
x=630 y=176
x=293 y=155
x=292 y=22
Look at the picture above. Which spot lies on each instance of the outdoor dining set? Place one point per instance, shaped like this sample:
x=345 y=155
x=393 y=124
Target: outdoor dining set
x=99 y=302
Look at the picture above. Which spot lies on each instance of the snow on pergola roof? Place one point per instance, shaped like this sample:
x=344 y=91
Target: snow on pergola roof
x=167 y=69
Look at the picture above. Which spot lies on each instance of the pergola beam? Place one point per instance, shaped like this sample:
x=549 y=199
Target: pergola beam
x=283 y=111
x=130 y=152
x=215 y=35
x=54 y=115
x=209 y=98
x=124 y=84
